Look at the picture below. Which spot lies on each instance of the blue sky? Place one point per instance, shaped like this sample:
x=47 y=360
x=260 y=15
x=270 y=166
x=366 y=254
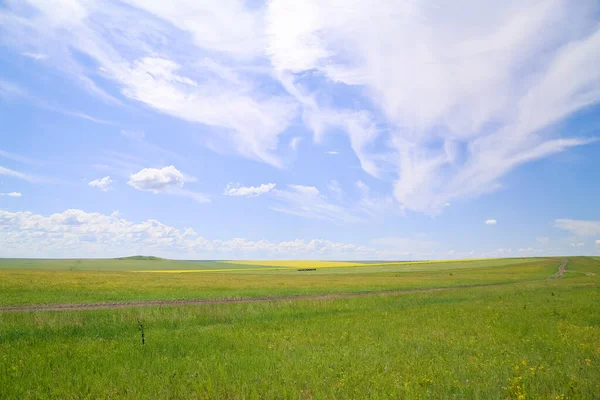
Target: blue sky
x=286 y=129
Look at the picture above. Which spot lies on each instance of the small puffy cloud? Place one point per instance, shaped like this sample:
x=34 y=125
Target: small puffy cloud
x=578 y=244
x=490 y=222
x=248 y=191
x=579 y=227
x=11 y=194
x=332 y=153
x=157 y=180
x=102 y=184
x=598 y=242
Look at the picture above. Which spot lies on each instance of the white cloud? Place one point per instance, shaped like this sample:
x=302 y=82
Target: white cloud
x=332 y=152
x=168 y=180
x=442 y=107
x=578 y=244
x=490 y=222
x=102 y=183
x=12 y=194
x=157 y=180
x=579 y=227
x=248 y=191
x=308 y=202
x=197 y=62
x=598 y=242
x=22 y=175
x=36 y=56
x=76 y=233
x=429 y=67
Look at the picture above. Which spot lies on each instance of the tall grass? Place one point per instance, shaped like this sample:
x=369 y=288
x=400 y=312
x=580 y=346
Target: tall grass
x=537 y=340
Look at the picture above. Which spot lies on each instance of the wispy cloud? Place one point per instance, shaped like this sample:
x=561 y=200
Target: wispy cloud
x=438 y=89
x=13 y=91
x=22 y=175
x=439 y=107
x=295 y=142
x=11 y=194
x=335 y=187
x=579 y=227
x=490 y=222
x=36 y=56
x=308 y=202
x=19 y=158
x=248 y=191
x=138 y=135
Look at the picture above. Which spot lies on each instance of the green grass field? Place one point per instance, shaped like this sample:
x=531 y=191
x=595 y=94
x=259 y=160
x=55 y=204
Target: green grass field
x=529 y=338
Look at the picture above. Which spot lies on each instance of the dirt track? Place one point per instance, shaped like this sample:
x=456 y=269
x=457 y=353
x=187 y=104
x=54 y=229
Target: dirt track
x=562 y=268
x=186 y=302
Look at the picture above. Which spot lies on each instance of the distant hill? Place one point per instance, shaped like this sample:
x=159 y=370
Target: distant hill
x=144 y=258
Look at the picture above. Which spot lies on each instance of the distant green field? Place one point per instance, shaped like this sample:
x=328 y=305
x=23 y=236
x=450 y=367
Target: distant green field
x=537 y=338
x=100 y=280
x=145 y=264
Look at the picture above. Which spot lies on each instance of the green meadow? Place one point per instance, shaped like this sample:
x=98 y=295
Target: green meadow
x=523 y=336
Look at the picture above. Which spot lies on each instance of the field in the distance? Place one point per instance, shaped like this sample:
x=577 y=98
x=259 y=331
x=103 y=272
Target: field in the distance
x=57 y=281
x=521 y=336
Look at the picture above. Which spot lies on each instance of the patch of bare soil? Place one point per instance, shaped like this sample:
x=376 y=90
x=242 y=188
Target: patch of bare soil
x=562 y=268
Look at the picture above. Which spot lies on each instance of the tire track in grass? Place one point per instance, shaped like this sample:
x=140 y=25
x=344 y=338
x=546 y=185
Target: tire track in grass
x=189 y=302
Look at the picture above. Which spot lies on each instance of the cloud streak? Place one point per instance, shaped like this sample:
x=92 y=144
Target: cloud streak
x=248 y=191
x=440 y=108
x=579 y=227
